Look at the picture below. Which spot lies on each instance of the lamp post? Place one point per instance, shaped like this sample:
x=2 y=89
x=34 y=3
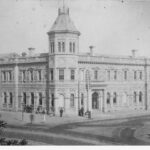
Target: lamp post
x=88 y=88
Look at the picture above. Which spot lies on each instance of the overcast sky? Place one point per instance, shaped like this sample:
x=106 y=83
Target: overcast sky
x=112 y=26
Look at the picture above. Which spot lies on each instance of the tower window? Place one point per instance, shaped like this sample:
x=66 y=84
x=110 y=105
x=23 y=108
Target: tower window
x=61 y=74
x=73 y=47
x=70 y=47
x=59 y=46
x=52 y=47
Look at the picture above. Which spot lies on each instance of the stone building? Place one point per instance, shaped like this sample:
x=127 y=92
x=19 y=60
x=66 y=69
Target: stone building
x=65 y=78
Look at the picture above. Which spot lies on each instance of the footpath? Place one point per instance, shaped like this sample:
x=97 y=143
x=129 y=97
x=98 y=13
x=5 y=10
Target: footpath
x=19 y=119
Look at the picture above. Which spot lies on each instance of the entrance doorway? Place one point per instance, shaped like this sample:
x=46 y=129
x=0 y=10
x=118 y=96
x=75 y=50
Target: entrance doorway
x=95 y=103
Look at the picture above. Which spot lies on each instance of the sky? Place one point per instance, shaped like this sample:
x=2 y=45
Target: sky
x=113 y=27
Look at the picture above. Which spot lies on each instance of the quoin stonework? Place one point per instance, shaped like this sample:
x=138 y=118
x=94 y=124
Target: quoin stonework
x=65 y=78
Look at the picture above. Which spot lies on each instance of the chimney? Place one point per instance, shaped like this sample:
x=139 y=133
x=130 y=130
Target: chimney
x=31 y=51
x=134 y=53
x=91 y=50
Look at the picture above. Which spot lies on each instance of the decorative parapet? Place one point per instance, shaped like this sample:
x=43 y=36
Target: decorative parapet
x=14 y=60
x=113 y=60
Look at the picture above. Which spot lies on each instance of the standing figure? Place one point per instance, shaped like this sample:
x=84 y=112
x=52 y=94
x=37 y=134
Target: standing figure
x=61 y=112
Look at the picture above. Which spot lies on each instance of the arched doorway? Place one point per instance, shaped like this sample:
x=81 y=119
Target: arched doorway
x=95 y=104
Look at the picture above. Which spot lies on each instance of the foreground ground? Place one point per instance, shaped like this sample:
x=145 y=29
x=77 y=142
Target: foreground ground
x=111 y=129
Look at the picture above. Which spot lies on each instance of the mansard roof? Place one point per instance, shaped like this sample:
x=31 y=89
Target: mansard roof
x=63 y=23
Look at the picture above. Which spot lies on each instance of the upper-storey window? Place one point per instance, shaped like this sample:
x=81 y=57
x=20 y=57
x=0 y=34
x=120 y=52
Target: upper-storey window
x=4 y=78
x=95 y=74
x=125 y=75
x=63 y=46
x=24 y=75
x=39 y=75
x=31 y=75
x=108 y=75
x=10 y=76
x=135 y=75
x=52 y=47
x=51 y=75
x=61 y=74
x=72 y=74
x=115 y=75
x=141 y=75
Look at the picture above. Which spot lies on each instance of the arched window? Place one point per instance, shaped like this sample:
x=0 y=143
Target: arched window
x=140 y=96
x=108 y=98
x=134 y=96
x=115 y=98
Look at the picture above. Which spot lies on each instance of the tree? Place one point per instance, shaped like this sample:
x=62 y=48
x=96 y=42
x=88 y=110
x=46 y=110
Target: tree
x=4 y=141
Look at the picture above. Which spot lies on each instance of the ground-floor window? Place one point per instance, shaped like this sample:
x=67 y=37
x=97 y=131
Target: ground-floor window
x=140 y=97
x=40 y=98
x=72 y=100
x=95 y=100
x=108 y=98
x=11 y=98
x=5 y=98
x=32 y=98
x=24 y=98
x=134 y=96
x=52 y=101
x=114 y=97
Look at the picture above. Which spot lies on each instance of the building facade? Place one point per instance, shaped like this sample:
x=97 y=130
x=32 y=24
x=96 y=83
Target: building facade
x=65 y=78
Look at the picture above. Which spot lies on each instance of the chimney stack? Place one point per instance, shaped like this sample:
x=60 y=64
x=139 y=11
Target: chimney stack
x=91 y=50
x=31 y=51
x=134 y=53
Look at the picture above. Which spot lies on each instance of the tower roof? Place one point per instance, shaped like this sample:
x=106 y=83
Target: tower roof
x=63 y=23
